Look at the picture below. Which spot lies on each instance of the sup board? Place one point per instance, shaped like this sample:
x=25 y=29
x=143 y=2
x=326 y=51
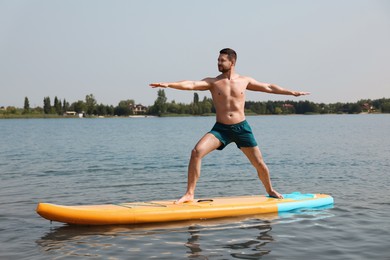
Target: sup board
x=164 y=211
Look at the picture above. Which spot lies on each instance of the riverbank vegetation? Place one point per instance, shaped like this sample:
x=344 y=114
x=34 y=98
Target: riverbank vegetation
x=161 y=107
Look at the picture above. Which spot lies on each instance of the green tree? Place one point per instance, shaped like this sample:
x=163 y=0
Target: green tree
x=207 y=105
x=324 y=109
x=270 y=109
x=160 y=105
x=26 y=107
x=195 y=105
x=46 y=105
x=173 y=108
x=57 y=106
x=110 y=110
x=124 y=108
x=385 y=107
x=65 y=106
x=101 y=110
x=196 y=98
x=303 y=107
x=257 y=107
x=278 y=110
x=354 y=108
x=11 y=110
x=90 y=104
x=78 y=107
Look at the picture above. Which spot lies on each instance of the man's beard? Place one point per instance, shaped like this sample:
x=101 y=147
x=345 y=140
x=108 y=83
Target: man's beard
x=222 y=69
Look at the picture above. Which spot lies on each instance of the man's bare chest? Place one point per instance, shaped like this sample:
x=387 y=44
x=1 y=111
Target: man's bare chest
x=229 y=88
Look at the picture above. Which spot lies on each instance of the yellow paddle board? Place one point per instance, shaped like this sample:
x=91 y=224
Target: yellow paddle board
x=164 y=211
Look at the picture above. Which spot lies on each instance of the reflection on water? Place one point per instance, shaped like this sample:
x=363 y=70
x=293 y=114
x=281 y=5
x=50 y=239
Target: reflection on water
x=193 y=242
x=243 y=238
x=257 y=245
x=237 y=248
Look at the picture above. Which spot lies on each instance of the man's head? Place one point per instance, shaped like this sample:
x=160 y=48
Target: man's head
x=226 y=60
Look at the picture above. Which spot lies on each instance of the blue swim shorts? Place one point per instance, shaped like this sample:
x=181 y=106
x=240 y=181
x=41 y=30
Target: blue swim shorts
x=240 y=133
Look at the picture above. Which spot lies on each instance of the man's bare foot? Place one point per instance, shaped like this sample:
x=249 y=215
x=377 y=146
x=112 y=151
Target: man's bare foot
x=275 y=194
x=185 y=198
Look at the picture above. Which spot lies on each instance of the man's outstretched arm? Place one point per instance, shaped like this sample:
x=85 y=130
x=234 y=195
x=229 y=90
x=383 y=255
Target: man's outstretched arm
x=272 y=88
x=184 y=85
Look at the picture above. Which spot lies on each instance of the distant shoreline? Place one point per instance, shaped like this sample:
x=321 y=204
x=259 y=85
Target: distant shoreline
x=50 y=116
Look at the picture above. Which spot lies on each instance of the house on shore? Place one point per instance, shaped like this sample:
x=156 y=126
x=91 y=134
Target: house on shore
x=70 y=113
x=138 y=109
x=74 y=113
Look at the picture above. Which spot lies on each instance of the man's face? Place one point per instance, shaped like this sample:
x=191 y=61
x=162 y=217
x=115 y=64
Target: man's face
x=224 y=64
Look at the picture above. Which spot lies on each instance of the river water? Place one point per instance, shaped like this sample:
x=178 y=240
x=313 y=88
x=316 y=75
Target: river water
x=99 y=161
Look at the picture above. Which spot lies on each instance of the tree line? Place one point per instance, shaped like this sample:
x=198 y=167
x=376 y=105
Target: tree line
x=87 y=107
x=161 y=107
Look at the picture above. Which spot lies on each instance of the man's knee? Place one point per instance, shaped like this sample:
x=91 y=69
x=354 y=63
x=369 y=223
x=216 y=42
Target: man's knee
x=196 y=154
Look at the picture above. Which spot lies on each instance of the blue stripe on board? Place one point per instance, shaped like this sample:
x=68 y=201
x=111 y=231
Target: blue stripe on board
x=282 y=207
x=298 y=196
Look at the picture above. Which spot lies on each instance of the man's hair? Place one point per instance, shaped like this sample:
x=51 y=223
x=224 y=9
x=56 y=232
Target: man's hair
x=232 y=55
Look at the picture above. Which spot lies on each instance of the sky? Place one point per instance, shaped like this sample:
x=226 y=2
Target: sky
x=337 y=50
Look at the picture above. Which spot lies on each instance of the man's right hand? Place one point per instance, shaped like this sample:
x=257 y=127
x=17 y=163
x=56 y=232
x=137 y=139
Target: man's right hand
x=158 y=85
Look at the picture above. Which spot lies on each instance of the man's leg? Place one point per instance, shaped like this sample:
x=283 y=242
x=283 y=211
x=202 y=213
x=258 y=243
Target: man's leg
x=206 y=144
x=255 y=157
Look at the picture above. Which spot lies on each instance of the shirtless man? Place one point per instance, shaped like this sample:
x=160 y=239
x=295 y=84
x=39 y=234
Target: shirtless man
x=228 y=93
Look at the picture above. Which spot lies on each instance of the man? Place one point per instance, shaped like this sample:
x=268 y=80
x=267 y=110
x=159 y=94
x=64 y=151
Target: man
x=228 y=93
